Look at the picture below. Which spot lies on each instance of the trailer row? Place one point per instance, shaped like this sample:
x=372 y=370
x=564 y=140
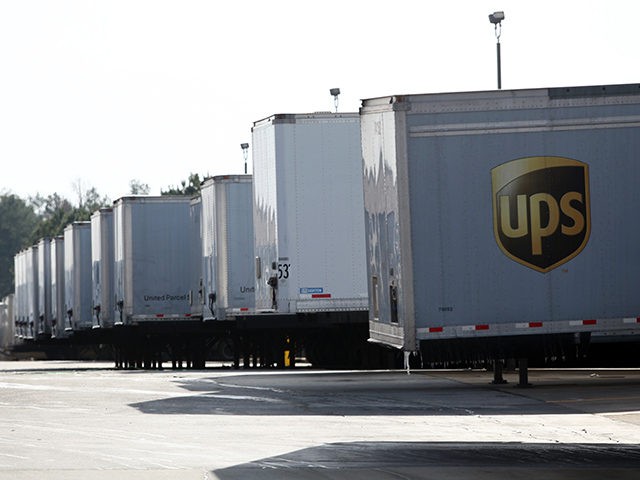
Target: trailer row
x=462 y=226
x=262 y=270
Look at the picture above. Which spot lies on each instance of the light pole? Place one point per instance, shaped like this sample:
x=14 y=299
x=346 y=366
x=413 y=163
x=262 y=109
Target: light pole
x=245 y=153
x=496 y=18
x=335 y=92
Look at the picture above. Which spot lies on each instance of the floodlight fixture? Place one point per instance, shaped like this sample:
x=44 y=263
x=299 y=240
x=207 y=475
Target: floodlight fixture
x=335 y=92
x=245 y=154
x=496 y=18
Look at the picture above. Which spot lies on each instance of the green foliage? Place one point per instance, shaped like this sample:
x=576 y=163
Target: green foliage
x=56 y=212
x=17 y=224
x=189 y=187
x=136 y=187
x=24 y=223
x=90 y=201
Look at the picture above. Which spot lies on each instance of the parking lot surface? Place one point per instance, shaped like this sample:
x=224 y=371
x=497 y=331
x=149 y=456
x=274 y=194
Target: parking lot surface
x=66 y=420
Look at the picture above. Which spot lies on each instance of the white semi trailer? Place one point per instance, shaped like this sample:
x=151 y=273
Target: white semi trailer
x=227 y=247
x=501 y=223
x=310 y=264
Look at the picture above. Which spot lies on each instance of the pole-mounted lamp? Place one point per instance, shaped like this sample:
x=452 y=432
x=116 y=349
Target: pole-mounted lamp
x=245 y=154
x=335 y=92
x=496 y=18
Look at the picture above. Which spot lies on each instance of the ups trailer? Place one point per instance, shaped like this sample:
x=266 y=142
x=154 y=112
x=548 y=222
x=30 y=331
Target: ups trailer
x=44 y=318
x=153 y=259
x=58 y=314
x=77 y=277
x=154 y=287
x=227 y=247
x=227 y=267
x=502 y=223
x=310 y=270
x=103 y=303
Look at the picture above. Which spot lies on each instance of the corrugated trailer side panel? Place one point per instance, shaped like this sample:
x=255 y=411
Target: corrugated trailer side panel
x=153 y=258
x=265 y=222
x=16 y=294
x=102 y=259
x=31 y=282
x=234 y=257
x=18 y=310
x=208 y=229
x=389 y=325
x=77 y=269
x=57 y=287
x=196 y=289
x=516 y=212
x=7 y=325
x=44 y=287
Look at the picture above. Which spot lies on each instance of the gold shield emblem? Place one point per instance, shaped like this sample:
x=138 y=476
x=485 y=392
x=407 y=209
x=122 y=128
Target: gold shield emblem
x=541 y=213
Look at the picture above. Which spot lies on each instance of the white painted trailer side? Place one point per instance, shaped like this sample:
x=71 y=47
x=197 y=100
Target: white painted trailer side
x=227 y=233
x=234 y=257
x=7 y=326
x=31 y=290
x=58 y=314
x=502 y=214
x=44 y=319
x=308 y=214
x=103 y=303
x=19 y=310
x=196 y=289
x=208 y=234
x=77 y=276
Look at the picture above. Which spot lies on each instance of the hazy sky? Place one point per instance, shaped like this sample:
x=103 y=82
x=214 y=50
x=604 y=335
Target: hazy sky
x=108 y=91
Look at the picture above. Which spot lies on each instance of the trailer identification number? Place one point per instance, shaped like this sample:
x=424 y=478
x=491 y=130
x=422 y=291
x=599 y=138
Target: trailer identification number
x=283 y=270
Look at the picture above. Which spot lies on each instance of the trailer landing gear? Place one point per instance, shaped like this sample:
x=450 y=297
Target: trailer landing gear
x=523 y=373
x=498 y=379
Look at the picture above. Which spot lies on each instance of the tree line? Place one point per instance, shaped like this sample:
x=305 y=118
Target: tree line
x=23 y=222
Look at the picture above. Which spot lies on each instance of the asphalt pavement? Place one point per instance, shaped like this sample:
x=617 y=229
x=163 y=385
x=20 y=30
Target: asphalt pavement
x=66 y=420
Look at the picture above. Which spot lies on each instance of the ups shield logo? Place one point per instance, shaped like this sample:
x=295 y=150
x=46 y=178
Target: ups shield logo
x=541 y=214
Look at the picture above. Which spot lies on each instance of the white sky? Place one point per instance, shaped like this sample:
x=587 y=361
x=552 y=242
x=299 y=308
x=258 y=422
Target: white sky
x=108 y=91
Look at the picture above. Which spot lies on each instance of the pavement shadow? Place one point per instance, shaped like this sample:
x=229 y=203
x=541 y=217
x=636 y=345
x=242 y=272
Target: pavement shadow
x=426 y=460
x=345 y=393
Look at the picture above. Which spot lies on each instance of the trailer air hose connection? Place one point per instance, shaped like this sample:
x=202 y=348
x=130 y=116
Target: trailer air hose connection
x=69 y=315
x=212 y=301
x=273 y=283
x=120 y=305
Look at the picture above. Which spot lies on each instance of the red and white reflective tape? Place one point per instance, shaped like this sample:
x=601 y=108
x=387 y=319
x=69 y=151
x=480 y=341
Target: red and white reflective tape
x=580 y=323
x=529 y=325
x=442 y=331
x=161 y=316
x=314 y=296
x=239 y=310
x=475 y=328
